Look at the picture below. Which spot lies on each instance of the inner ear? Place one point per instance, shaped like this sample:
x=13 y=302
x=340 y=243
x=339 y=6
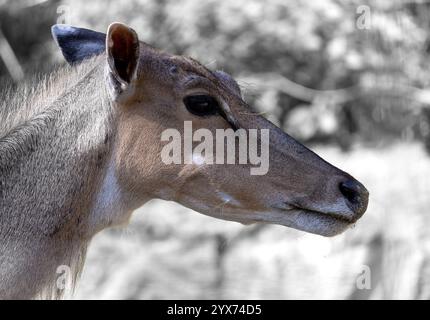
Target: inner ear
x=122 y=48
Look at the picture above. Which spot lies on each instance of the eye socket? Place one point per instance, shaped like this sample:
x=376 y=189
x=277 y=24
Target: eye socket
x=201 y=105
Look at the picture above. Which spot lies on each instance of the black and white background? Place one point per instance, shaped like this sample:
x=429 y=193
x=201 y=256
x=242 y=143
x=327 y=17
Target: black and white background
x=348 y=78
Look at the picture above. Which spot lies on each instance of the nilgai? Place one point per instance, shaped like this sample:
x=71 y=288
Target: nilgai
x=80 y=150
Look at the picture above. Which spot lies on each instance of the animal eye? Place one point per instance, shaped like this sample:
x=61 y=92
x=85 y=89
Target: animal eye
x=201 y=105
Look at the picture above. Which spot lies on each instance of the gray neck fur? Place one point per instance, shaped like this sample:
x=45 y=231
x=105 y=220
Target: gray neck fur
x=55 y=145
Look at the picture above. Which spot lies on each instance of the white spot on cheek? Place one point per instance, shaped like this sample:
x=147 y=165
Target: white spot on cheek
x=198 y=160
x=228 y=198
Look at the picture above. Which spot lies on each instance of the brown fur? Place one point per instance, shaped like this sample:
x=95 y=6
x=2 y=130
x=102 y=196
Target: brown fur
x=74 y=160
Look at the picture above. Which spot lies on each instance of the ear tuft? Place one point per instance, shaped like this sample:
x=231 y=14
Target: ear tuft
x=78 y=44
x=122 y=48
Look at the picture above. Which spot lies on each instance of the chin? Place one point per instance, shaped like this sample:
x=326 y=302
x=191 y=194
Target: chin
x=323 y=224
x=308 y=221
x=324 y=227
x=319 y=223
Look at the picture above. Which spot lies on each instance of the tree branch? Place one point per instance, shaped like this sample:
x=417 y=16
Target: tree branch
x=10 y=60
x=338 y=96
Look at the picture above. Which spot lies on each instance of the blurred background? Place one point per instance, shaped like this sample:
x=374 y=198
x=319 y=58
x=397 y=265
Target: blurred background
x=348 y=78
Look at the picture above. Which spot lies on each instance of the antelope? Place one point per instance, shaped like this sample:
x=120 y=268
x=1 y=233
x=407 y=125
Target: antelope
x=80 y=151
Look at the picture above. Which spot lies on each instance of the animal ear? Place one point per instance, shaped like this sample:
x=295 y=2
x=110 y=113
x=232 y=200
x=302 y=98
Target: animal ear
x=122 y=49
x=78 y=44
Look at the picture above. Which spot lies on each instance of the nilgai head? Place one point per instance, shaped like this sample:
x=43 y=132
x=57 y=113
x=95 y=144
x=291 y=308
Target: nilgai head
x=159 y=97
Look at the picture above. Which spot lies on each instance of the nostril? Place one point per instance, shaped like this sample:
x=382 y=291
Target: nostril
x=351 y=190
x=356 y=195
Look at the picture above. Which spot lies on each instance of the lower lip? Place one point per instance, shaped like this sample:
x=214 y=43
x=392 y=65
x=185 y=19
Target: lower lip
x=323 y=224
x=323 y=215
x=304 y=220
x=312 y=221
x=328 y=215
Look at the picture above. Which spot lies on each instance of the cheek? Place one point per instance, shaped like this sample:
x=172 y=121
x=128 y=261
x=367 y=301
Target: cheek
x=194 y=184
x=137 y=155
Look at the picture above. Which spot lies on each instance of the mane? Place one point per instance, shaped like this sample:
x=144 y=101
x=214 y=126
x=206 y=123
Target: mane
x=21 y=104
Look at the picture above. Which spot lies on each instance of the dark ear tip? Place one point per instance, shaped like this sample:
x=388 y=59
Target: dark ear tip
x=78 y=44
x=59 y=30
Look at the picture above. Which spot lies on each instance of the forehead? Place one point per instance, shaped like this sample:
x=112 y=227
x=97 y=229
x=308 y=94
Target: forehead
x=181 y=72
x=178 y=70
x=165 y=65
x=192 y=66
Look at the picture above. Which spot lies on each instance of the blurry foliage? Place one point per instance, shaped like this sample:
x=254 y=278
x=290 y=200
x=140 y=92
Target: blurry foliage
x=313 y=44
x=26 y=26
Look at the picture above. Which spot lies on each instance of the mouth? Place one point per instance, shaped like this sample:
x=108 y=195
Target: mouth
x=327 y=224
x=327 y=214
x=316 y=222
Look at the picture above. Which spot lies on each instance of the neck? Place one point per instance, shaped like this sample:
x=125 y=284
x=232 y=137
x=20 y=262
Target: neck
x=49 y=185
x=111 y=204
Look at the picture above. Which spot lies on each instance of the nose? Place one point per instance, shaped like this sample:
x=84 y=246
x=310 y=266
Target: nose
x=356 y=195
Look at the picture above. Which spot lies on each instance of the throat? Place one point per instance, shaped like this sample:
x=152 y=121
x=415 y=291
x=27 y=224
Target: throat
x=110 y=206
